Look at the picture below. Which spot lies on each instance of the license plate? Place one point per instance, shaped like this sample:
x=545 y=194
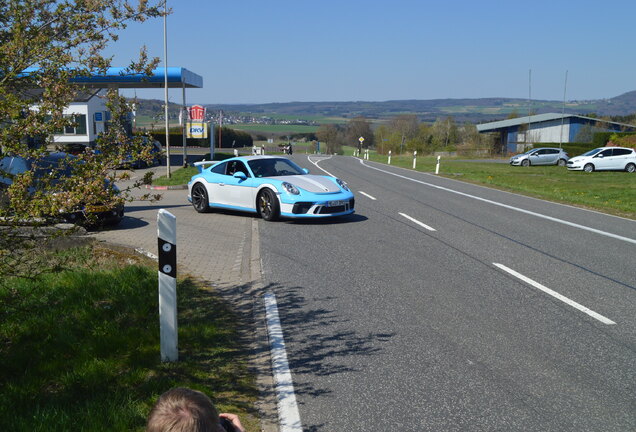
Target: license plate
x=337 y=203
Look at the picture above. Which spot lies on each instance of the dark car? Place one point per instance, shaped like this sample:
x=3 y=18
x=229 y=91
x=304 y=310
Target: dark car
x=55 y=164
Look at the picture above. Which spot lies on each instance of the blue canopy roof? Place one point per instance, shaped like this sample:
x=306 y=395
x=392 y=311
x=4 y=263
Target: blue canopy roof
x=119 y=78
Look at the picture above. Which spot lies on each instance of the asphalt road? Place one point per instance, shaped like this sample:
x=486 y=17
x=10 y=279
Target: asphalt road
x=414 y=314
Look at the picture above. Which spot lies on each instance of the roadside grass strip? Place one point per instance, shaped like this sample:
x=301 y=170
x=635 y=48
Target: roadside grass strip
x=556 y=295
x=79 y=349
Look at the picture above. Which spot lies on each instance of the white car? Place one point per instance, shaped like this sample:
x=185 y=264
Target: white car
x=605 y=158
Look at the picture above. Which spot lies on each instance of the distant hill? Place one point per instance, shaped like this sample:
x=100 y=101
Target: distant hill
x=463 y=110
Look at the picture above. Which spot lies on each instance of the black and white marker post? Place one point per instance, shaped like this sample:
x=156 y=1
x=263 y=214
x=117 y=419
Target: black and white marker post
x=168 y=329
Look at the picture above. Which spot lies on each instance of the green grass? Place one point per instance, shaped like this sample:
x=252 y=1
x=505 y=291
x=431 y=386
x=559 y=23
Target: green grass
x=608 y=192
x=79 y=350
x=179 y=176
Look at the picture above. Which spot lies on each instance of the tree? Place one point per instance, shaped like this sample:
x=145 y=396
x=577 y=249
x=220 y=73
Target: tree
x=328 y=133
x=43 y=45
x=359 y=127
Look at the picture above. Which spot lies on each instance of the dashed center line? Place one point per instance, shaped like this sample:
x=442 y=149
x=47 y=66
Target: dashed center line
x=367 y=195
x=556 y=295
x=422 y=224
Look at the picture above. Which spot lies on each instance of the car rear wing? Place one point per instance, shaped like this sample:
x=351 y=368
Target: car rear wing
x=201 y=165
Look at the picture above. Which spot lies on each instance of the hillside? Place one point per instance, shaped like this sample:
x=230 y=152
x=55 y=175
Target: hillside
x=463 y=110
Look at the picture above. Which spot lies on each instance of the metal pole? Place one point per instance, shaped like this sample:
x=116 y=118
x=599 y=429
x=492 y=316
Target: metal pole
x=165 y=83
x=563 y=109
x=183 y=112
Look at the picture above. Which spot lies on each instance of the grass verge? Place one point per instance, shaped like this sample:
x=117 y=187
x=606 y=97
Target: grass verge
x=79 y=349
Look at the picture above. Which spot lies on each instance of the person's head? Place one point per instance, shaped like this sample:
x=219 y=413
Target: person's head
x=183 y=410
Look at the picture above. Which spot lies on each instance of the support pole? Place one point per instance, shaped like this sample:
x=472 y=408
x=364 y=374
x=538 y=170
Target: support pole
x=183 y=116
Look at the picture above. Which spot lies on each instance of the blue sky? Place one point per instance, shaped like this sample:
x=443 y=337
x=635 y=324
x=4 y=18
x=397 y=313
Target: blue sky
x=254 y=51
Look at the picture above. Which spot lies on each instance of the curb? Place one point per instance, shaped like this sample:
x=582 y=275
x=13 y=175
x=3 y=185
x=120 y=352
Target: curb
x=174 y=187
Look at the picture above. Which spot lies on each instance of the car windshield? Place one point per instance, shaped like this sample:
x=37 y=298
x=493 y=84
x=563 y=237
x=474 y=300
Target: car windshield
x=592 y=152
x=274 y=167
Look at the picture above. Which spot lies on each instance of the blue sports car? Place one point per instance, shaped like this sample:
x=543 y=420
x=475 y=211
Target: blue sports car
x=270 y=186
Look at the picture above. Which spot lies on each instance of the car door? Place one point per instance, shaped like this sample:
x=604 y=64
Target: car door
x=603 y=160
x=239 y=192
x=551 y=157
x=535 y=157
x=620 y=158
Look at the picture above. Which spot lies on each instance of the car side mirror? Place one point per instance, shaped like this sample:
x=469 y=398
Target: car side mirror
x=305 y=170
x=599 y=156
x=240 y=175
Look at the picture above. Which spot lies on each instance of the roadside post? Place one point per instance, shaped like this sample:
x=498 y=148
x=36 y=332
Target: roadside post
x=168 y=328
x=211 y=126
x=389 y=157
x=414 y=158
x=437 y=166
x=361 y=139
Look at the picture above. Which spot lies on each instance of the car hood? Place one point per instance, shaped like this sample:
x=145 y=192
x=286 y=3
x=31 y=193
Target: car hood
x=311 y=183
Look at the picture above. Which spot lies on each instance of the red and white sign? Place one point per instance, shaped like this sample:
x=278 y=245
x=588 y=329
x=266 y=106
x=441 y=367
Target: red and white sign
x=196 y=113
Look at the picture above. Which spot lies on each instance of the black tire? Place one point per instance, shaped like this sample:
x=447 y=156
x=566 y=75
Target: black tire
x=267 y=205
x=525 y=162
x=200 y=200
x=561 y=162
x=588 y=168
x=630 y=168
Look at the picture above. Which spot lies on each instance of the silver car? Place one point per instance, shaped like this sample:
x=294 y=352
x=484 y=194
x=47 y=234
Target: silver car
x=541 y=156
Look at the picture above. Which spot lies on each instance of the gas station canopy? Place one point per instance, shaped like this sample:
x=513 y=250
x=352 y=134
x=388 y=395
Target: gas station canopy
x=118 y=77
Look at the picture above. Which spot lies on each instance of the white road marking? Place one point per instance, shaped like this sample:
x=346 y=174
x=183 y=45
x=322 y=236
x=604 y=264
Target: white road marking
x=556 y=295
x=287 y=408
x=367 y=195
x=316 y=163
x=417 y=222
x=561 y=221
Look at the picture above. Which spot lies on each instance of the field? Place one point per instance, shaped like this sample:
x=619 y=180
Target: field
x=275 y=129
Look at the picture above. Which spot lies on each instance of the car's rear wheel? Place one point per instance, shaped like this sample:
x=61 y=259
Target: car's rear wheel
x=268 y=206
x=588 y=168
x=525 y=162
x=561 y=162
x=200 y=200
x=630 y=168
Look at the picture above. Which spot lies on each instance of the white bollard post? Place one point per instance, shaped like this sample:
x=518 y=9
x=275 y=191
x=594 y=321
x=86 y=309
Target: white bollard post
x=262 y=150
x=414 y=158
x=437 y=166
x=389 y=157
x=235 y=152
x=168 y=328
x=366 y=154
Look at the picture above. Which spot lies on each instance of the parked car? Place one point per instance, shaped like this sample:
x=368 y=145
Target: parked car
x=605 y=158
x=156 y=150
x=57 y=165
x=270 y=186
x=541 y=156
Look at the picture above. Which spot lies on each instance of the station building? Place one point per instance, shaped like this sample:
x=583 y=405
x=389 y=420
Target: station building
x=516 y=135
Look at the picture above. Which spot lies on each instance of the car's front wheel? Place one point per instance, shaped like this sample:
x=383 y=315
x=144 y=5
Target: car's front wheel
x=200 y=200
x=561 y=162
x=525 y=163
x=630 y=168
x=588 y=168
x=268 y=206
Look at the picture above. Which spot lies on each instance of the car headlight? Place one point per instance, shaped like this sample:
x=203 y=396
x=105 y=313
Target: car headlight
x=290 y=188
x=342 y=184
